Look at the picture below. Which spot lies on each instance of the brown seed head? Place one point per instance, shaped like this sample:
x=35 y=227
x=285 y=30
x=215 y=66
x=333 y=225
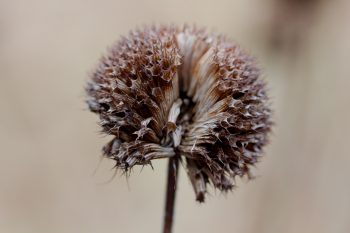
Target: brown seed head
x=167 y=91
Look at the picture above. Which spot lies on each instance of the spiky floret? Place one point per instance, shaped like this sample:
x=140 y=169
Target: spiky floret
x=166 y=91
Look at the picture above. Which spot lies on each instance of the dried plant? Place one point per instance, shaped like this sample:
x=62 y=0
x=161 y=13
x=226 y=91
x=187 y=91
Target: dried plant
x=183 y=94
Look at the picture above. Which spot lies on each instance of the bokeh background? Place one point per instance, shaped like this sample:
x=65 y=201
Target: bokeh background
x=50 y=180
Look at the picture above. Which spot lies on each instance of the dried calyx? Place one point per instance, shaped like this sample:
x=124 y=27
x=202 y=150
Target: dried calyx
x=168 y=91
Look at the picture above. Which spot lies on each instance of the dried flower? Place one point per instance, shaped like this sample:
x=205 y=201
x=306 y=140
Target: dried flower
x=164 y=92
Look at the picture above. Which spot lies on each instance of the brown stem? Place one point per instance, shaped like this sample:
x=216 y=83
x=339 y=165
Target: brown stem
x=170 y=193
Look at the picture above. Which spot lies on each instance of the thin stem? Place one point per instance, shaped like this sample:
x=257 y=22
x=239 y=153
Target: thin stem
x=170 y=193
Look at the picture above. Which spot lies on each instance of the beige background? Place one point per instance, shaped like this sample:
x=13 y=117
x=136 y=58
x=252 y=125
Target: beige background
x=50 y=145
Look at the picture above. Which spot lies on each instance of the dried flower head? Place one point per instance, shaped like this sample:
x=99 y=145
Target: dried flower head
x=169 y=91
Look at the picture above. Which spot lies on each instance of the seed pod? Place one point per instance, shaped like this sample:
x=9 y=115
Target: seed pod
x=168 y=91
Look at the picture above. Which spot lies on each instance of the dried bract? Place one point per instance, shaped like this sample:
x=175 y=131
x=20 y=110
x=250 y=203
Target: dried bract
x=168 y=91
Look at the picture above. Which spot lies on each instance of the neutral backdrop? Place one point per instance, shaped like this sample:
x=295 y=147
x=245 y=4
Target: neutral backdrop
x=51 y=177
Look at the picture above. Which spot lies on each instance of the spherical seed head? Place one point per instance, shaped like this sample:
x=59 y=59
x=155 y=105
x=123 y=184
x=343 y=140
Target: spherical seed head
x=168 y=91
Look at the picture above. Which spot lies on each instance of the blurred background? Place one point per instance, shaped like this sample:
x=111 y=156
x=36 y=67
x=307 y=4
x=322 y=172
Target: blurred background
x=50 y=144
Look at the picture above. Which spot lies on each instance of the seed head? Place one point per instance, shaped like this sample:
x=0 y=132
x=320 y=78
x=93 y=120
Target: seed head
x=169 y=91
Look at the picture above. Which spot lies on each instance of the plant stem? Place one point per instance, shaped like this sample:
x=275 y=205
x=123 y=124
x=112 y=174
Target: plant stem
x=170 y=193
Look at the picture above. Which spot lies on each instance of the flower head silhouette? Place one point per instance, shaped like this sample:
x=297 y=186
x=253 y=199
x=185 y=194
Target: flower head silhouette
x=185 y=94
